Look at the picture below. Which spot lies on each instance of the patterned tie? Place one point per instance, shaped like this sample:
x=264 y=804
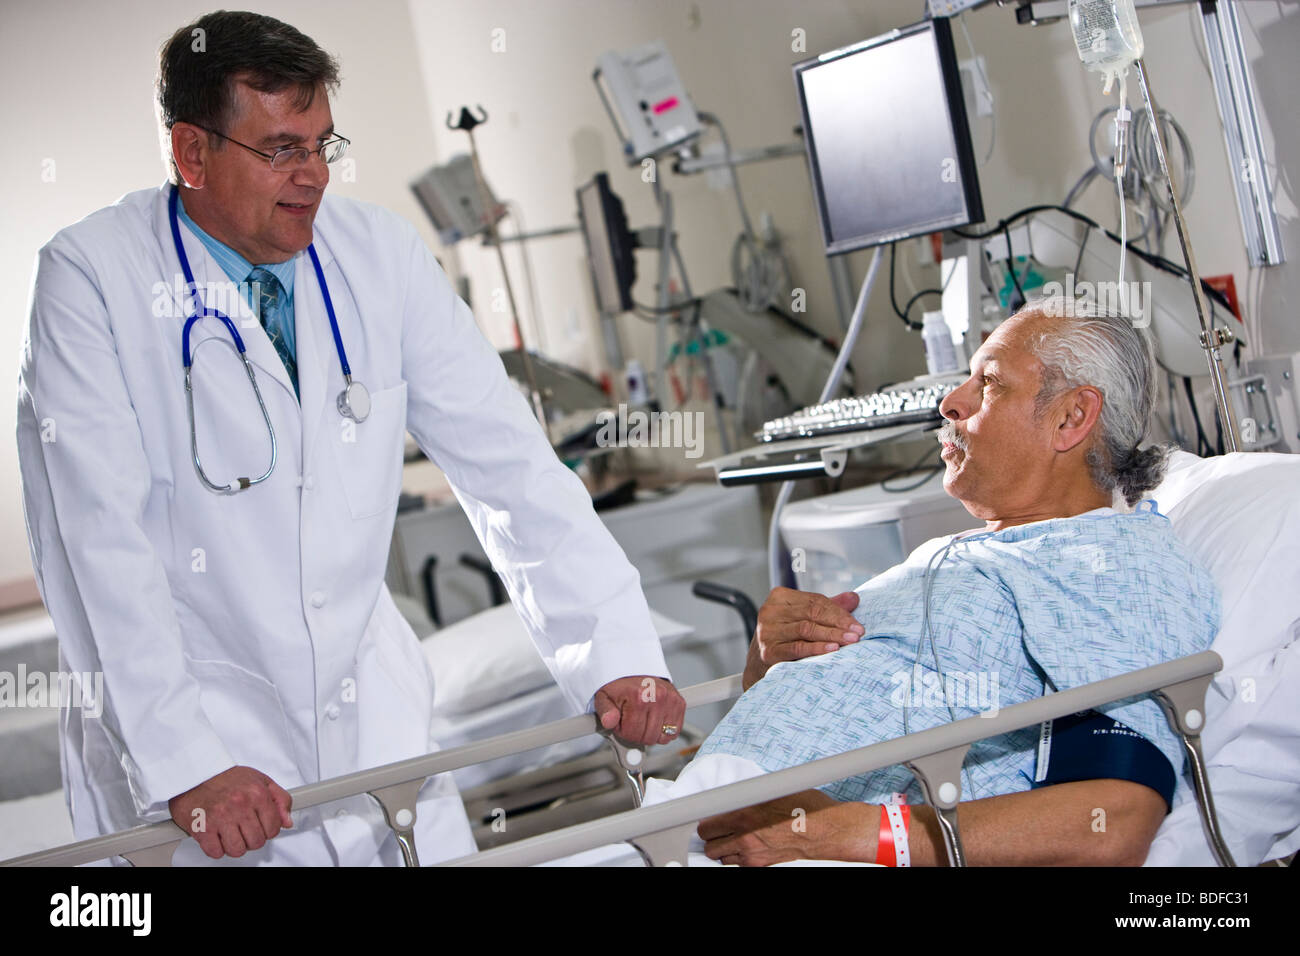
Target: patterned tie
x=269 y=312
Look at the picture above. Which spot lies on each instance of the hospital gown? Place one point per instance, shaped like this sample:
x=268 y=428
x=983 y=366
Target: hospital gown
x=1067 y=601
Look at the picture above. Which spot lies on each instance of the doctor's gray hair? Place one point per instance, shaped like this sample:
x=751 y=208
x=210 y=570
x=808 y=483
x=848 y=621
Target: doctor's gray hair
x=199 y=65
x=1080 y=345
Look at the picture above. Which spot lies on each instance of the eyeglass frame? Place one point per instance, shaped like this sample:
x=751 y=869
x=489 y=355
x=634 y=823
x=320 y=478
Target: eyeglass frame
x=335 y=138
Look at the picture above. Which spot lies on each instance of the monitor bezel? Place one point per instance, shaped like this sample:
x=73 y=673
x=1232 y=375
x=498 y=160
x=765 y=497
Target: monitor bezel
x=973 y=205
x=624 y=267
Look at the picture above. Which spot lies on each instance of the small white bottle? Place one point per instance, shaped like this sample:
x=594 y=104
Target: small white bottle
x=940 y=353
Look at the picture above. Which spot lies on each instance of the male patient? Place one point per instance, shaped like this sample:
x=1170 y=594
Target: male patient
x=1066 y=584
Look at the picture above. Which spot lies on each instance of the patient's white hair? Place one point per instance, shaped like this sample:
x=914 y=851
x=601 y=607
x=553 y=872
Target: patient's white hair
x=1081 y=345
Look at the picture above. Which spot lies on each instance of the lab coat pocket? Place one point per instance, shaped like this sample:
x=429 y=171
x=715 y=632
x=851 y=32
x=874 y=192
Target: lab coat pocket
x=246 y=712
x=370 y=454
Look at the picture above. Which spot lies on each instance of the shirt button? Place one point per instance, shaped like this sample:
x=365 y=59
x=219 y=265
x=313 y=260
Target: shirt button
x=332 y=712
x=318 y=599
x=340 y=814
x=309 y=482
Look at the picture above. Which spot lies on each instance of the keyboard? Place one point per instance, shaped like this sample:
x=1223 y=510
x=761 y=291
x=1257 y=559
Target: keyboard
x=896 y=406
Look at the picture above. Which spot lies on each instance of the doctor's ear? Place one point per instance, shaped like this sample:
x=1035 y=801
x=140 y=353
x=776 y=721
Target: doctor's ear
x=190 y=153
x=1079 y=411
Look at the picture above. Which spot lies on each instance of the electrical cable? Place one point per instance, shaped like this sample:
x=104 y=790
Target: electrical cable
x=914 y=326
x=1011 y=268
x=1158 y=261
x=650 y=311
x=1143 y=157
x=1202 y=442
x=930 y=472
x=1077 y=189
x=907 y=309
x=1174 y=431
x=1078 y=261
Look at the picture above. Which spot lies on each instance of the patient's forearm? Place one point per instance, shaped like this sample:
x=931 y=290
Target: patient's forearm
x=1089 y=823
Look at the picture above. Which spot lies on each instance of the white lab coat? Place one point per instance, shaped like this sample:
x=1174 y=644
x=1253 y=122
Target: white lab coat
x=256 y=629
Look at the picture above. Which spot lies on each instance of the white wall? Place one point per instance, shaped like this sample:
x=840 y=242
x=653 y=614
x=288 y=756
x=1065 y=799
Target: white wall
x=78 y=90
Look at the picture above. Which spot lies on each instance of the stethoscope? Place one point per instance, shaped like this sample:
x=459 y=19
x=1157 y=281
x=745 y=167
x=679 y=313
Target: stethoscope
x=353 y=401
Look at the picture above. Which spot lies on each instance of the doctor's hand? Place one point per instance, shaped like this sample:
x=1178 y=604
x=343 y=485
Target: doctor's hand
x=637 y=709
x=241 y=808
x=807 y=825
x=793 y=625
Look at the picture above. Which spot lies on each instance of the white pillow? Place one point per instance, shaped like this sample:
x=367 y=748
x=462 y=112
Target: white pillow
x=1240 y=516
x=489 y=658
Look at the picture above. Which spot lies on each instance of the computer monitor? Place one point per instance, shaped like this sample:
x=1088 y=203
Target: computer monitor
x=610 y=245
x=888 y=142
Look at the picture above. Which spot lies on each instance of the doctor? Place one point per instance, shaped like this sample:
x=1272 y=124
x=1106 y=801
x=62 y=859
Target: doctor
x=247 y=641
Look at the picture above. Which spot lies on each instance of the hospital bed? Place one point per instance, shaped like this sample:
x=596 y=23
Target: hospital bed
x=1236 y=707
x=490 y=680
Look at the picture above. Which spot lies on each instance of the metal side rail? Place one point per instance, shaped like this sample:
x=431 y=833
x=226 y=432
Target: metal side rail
x=393 y=785
x=661 y=832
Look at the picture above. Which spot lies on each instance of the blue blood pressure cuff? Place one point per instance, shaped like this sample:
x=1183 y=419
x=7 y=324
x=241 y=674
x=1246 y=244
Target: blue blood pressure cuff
x=1091 y=746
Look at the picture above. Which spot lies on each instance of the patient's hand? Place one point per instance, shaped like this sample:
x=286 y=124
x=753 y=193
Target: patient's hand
x=796 y=624
x=807 y=825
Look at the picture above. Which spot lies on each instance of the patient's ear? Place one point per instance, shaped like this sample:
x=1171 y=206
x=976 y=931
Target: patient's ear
x=1078 y=413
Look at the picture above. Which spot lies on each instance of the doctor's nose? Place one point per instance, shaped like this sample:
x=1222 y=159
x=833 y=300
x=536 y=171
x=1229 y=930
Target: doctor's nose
x=314 y=173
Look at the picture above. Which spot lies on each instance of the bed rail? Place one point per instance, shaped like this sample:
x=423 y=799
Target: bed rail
x=661 y=832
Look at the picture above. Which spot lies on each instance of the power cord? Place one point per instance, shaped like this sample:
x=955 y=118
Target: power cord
x=1151 y=258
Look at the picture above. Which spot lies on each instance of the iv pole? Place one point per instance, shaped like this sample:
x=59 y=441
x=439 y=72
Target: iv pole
x=1212 y=339
x=467 y=122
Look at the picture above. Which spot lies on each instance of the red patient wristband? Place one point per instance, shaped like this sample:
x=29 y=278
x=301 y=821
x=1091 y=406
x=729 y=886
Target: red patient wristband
x=891 y=845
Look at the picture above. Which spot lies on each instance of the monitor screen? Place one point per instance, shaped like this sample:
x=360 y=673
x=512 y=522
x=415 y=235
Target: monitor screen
x=609 y=243
x=888 y=143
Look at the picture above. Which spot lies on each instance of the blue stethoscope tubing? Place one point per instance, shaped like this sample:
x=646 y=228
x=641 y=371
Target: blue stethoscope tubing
x=353 y=401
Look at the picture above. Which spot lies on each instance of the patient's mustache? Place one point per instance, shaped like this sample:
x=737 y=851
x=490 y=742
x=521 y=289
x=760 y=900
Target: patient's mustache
x=949 y=435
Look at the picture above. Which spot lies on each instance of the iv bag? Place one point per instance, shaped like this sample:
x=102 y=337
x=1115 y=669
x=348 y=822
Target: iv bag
x=1106 y=34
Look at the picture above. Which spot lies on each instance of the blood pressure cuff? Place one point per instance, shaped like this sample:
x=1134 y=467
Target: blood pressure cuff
x=1091 y=746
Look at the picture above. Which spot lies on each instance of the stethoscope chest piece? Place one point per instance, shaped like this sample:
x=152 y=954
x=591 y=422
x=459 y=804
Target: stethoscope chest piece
x=354 y=401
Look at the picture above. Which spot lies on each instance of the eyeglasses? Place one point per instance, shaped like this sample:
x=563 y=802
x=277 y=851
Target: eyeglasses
x=288 y=158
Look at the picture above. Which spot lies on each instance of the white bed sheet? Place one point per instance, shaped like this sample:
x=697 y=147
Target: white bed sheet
x=702 y=773
x=34 y=823
x=1240 y=515
x=537 y=707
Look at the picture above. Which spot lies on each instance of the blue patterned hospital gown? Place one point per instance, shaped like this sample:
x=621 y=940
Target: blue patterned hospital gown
x=1087 y=597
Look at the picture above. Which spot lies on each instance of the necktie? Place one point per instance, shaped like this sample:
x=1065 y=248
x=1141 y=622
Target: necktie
x=271 y=314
